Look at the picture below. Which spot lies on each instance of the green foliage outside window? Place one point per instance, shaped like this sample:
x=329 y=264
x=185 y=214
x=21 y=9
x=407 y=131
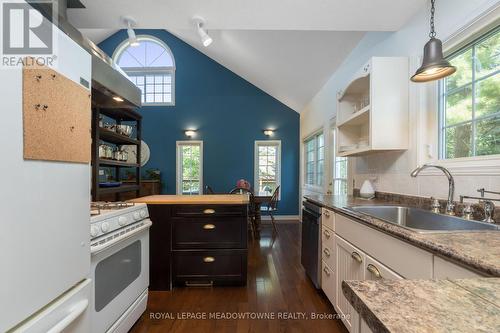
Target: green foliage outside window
x=470 y=122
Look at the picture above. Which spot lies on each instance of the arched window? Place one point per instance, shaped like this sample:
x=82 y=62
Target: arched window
x=151 y=67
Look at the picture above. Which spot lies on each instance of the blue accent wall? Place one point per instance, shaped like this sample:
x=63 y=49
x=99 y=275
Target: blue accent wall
x=229 y=113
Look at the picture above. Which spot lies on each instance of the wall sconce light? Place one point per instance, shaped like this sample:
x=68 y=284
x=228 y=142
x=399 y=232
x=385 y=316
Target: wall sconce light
x=268 y=132
x=190 y=133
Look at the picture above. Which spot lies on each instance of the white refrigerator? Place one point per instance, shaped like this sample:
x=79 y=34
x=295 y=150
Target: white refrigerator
x=44 y=214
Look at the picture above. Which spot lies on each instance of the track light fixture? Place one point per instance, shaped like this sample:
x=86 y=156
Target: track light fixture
x=199 y=22
x=132 y=38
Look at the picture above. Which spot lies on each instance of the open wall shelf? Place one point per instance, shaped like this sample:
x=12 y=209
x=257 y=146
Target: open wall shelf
x=104 y=135
x=372 y=111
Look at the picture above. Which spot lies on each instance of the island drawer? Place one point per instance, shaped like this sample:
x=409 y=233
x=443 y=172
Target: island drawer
x=208 y=210
x=212 y=267
x=209 y=233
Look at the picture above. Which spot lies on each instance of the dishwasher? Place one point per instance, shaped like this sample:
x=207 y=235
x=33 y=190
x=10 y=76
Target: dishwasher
x=311 y=242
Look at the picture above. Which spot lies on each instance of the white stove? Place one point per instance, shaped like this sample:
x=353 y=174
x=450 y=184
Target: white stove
x=119 y=246
x=107 y=217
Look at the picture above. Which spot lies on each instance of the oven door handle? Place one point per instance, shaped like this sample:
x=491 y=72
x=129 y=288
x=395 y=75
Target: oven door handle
x=101 y=247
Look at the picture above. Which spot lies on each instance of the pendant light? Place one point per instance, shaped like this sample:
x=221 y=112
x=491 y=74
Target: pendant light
x=434 y=65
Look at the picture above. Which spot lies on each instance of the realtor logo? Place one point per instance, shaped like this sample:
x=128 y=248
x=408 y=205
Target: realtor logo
x=28 y=37
x=25 y=30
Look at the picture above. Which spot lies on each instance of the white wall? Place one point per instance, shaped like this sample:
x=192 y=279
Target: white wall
x=391 y=170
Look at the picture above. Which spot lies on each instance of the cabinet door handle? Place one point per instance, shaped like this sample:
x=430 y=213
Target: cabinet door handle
x=208 y=259
x=209 y=226
x=209 y=211
x=374 y=270
x=327 y=233
x=355 y=255
x=327 y=272
x=326 y=252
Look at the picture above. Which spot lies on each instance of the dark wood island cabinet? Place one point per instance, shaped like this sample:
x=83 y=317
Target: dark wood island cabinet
x=197 y=240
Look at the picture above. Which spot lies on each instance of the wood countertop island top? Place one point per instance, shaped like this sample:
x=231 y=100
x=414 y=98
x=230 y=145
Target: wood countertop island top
x=214 y=199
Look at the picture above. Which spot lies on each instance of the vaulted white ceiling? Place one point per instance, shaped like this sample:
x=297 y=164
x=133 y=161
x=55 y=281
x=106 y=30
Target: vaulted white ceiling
x=288 y=48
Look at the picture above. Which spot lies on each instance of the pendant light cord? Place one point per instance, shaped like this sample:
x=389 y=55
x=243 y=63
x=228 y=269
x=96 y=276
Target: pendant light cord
x=432 y=34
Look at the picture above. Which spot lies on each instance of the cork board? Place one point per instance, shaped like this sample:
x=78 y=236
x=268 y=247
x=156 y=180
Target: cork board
x=56 y=117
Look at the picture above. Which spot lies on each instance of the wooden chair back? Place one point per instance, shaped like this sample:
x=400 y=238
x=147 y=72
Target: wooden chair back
x=273 y=204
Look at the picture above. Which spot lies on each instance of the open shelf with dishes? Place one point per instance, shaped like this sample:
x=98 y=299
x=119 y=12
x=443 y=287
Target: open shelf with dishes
x=113 y=132
x=372 y=111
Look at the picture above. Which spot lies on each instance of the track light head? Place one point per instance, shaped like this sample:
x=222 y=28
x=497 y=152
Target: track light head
x=199 y=22
x=132 y=38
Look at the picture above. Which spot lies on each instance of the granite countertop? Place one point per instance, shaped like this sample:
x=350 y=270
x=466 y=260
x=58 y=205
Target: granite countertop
x=213 y=199
x=466 y=305
x=477 y=250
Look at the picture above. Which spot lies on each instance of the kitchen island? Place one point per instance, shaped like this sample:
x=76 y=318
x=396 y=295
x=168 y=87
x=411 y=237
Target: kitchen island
x=197 y=240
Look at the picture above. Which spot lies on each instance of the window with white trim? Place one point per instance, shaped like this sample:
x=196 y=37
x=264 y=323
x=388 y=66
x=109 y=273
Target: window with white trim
x=189 y=167
x=151 y=67
x=267 y=166
x=339 y=170
x=314 y=159
x=469 y=117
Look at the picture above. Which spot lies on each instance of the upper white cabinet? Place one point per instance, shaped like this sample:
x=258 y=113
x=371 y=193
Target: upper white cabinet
x=372 y=111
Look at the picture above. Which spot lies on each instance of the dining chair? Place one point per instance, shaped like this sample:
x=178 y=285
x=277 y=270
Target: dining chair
x=240 y=190
x=272 y=207
x=251 y=207
x=208 y=190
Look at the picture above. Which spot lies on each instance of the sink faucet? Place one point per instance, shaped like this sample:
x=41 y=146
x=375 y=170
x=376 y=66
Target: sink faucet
x=450 y=206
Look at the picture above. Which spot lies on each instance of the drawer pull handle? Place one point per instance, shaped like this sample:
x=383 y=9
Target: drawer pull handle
x=209 y=226
x=326 y=252
x=327 y=214
x=374 y=270
x=209 y=211
x=199 y=284
x=327 y=233
x=208 y=259
x=357 y=257
x=327 y=272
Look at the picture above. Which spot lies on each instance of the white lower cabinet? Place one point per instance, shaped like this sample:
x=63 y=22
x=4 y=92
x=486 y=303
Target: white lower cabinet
x=363 y=253
x=328 y=281
x=443 y=269
x=363 y=327
x=328 y=254
x=350 y=266
x=328 y=247
x=374 y=270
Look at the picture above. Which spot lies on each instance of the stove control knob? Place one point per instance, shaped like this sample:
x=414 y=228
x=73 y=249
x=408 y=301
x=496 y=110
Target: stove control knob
x=144 y=213
x=94 y=231
x=137 y=216
x=105 y=227
x=122 y=220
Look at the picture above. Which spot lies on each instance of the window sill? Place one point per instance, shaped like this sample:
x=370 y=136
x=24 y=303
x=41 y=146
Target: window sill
x=467 y=166
x=157 y=104
x=313 y=188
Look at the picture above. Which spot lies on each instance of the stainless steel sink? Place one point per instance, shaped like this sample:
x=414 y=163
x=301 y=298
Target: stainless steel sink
x=422 y=221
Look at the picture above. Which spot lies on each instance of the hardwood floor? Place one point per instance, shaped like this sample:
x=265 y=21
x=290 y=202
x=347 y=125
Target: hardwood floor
x=277 y=286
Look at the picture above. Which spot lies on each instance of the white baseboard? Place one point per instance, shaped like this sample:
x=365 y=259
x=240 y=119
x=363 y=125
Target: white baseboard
x=281 y=219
